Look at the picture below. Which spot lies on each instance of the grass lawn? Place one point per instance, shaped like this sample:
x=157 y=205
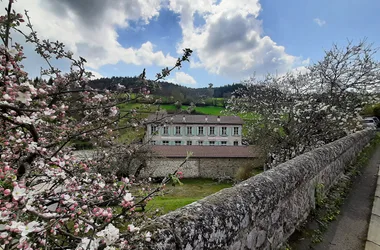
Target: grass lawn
x=170 y=107
x=210 y=110
x=140 y=107
x=179 y=196
x=207 y=110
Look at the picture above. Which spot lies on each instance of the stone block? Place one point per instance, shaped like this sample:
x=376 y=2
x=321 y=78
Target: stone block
x=377 y=193
x=376 y=207
x=371 y=246
x=374 y=230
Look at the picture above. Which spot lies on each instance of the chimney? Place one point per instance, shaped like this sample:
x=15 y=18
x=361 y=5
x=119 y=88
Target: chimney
x=184 y=119
x=206 y=119
x=218 y=119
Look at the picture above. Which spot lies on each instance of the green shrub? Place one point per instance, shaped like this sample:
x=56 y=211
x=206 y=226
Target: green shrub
x=248 y=170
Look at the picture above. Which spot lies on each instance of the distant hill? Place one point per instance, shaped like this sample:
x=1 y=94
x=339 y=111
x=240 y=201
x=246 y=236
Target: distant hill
x=170 y=91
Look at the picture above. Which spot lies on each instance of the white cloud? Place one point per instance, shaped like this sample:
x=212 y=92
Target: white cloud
x=183 y=79
x=231 y=40
x=320 y=22
x=88 y=28
x=96 y=75
x=300 y=70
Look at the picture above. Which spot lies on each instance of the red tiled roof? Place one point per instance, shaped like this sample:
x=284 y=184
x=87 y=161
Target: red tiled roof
x=205 y=151
x=194 y=119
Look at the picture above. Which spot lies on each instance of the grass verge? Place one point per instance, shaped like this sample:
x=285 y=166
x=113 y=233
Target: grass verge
x=192 y=190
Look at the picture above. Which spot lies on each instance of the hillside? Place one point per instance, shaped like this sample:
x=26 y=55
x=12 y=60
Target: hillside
x=170 y=92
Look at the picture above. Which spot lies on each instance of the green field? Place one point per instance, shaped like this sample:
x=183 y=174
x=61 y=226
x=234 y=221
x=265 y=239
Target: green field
x=209 y=110
x=181 y=195
x=206 y=110
x=149 y=108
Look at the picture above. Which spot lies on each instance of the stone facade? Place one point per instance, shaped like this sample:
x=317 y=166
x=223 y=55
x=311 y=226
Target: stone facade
x=261 y=212
x=195 y=167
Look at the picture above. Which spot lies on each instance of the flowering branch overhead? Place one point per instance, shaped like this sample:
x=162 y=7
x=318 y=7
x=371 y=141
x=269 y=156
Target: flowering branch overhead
x=49 y=197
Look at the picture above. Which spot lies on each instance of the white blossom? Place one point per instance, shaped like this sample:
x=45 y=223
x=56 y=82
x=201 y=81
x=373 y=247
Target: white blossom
x=128 y=197
x=24 y=97
x=148 y=236
x=132 y=228
x=110 y=234
x=18 y=193
x=88 y=244
x=30 y=227
x=6 y=97
x=24 y=119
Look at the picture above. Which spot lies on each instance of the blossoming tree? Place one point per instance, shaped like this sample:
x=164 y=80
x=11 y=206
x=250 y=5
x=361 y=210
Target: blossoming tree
x=49 y=199
x=295 y=113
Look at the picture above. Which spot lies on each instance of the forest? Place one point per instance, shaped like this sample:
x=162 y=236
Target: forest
x=170 y=92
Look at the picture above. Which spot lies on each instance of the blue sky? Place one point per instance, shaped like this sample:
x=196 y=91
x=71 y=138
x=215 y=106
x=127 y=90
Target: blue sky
x=290 y=23
x=231 y=39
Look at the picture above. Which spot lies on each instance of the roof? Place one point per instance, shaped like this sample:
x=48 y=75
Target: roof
x=205 y=151
x=194 y=119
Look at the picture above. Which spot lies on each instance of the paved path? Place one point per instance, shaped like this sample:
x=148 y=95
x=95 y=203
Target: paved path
x=349 y=231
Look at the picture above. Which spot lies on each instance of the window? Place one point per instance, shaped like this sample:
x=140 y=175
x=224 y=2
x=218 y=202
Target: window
x=166 y=130
x=189 y=143
x=212 y=143
x=200 y=130
x=212 y=130
x=177 y=143
x=236 y=143
x=200 y=143
x=236 y=130
x=224 y=143
x=166 y=143
x=153 y=142
x=177 y=130
x=189 y=130
x=154 y=129
x=224 y=130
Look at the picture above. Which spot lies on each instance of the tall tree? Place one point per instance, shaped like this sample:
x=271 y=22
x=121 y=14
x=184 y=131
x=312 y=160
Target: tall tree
x=292 y=114
x=51 y=199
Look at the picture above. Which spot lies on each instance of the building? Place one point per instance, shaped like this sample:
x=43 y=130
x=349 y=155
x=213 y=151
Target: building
x=215 y=143
x=201 y=130
x=205 y=162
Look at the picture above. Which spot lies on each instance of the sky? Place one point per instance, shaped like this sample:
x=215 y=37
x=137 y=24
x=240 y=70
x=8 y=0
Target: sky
x=232 y=40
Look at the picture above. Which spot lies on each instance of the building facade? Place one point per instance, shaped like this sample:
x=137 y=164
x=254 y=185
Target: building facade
x=189 y=130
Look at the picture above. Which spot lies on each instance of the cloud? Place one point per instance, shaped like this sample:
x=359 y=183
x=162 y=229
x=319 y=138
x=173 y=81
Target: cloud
x=96 y=75
x=230 y=40
x=183 y=79
x=320 y=22
x=89 y=28
x=226 y=36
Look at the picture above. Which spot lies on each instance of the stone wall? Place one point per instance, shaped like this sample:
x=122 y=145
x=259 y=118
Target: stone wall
x=195 y=167
x=261 y=212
